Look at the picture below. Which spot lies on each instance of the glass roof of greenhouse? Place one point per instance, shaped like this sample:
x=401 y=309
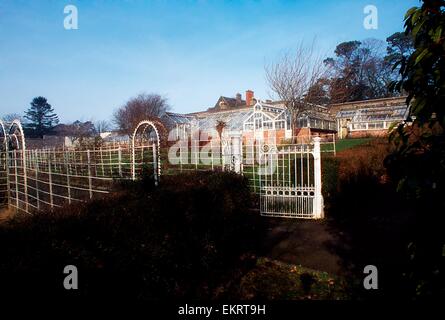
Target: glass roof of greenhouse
x=234 y=119
x=315 y=114
x=391 y=113
x=179 y=118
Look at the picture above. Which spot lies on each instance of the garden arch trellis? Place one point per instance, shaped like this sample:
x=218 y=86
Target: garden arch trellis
x=45 y=178
x=156 y=148
x=17 y=152
x=5 y=137
x=4 y=182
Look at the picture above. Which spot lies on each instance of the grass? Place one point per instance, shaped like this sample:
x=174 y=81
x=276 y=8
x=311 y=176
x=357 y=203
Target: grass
x=285 y=174
x=344 y=144
x=274 y=280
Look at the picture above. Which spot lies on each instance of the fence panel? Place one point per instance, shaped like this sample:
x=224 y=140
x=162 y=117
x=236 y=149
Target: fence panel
x=47 y=178
x=286 y=175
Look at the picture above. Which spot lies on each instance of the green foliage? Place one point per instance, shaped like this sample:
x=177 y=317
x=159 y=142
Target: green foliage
x=423 y=72
x=418 y=164
x=274 y=280
x=399 y=46
x=41 y=116
x=318 y=93
x=362 y=70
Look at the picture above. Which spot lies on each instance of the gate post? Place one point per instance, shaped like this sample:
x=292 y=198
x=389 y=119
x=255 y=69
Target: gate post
x=236 y=151
x=318 y=197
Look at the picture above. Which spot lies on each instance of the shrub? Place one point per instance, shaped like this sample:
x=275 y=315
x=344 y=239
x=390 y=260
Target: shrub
x=372 y=219
x=177 y=240
x=364 y=160
x=362 y=164
x=329 y=170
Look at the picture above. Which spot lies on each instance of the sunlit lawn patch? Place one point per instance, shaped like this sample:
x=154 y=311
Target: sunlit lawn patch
x=344 y=144
x=274 y=280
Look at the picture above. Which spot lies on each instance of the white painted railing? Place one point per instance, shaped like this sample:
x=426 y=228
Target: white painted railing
x=42 y=179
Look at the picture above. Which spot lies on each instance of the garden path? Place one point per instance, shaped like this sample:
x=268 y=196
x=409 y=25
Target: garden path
x=303 y=242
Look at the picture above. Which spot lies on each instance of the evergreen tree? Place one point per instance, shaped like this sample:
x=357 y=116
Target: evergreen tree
x=41 y=116
x=417 y=164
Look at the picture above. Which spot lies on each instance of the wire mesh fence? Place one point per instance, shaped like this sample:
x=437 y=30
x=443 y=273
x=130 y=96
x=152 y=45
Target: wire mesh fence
x=285 y=173
x=3 y=180
x=41 y=179
x=262 y=162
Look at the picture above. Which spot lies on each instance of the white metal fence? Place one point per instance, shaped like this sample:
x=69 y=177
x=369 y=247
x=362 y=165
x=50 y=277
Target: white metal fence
x=42 y=179
x=3 y=180
x=285 y=175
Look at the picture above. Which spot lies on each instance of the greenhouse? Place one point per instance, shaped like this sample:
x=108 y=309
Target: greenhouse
x=259 y=118
x=370 y=120
x=316 y=117
x=180 y=123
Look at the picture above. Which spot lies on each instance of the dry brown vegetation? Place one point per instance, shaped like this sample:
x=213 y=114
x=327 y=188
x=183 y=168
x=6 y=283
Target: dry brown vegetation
x=366 y=159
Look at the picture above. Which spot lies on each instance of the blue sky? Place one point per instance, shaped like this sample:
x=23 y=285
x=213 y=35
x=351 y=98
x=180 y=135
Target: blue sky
x=190 y=51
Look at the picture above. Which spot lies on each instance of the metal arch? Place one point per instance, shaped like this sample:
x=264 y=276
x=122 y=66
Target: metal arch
x=6 y=163
x=144 y=131
x=158 y=169
x=17 y=123
x=5 y=135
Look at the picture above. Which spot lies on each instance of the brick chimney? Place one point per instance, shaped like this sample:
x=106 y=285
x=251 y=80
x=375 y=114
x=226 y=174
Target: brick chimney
x=249 y=97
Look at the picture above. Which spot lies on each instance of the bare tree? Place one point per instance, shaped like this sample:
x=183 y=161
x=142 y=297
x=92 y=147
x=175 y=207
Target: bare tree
x=77 y=131
x=11 y=117
x=143 y=107
x=292 y=75
x=102 y=126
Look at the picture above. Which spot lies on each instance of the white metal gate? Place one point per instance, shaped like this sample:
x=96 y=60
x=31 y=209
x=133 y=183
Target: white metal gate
x=292 y=189
x=286 y=176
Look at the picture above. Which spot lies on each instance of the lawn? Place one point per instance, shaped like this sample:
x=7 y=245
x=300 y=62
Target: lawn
x=275 y=280
x=344 y=144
